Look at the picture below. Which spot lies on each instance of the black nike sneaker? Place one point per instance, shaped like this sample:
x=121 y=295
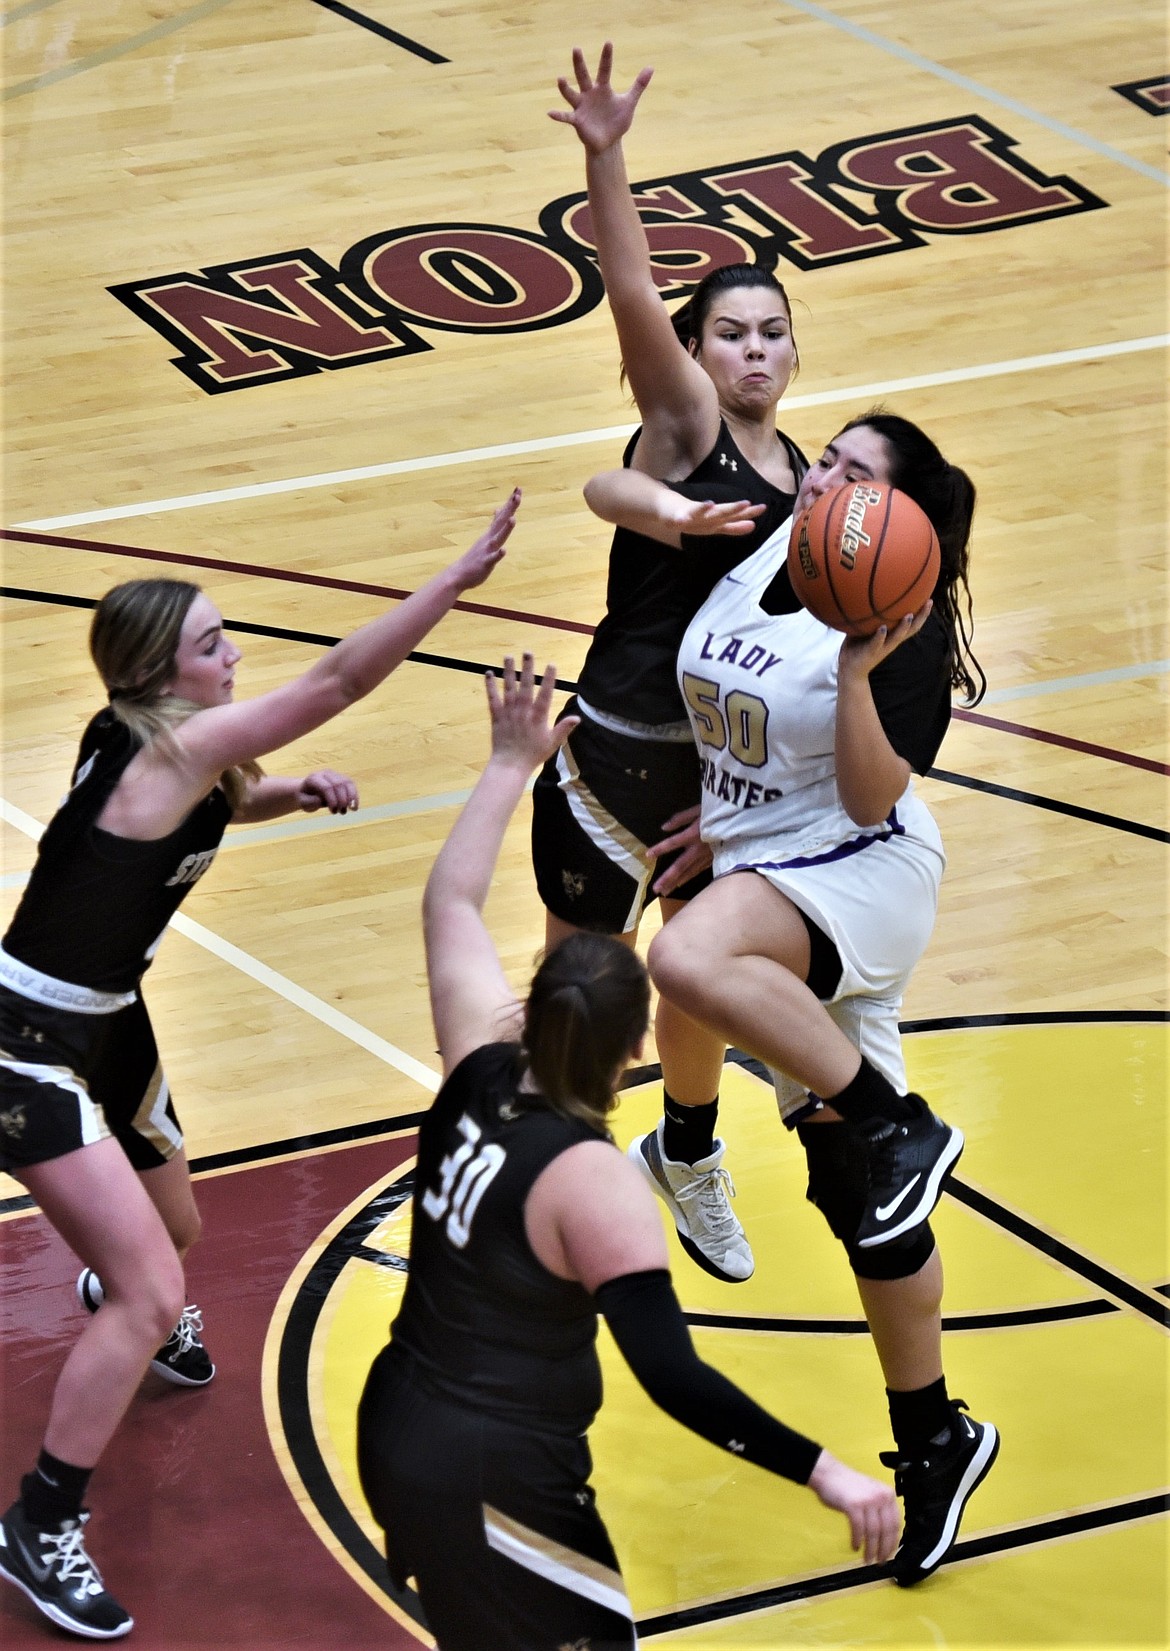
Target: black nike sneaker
x=908 y=1164
x=935 y=1489
x=49 y=1564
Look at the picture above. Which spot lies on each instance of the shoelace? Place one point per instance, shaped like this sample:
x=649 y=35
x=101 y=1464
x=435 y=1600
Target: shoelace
x=711 y=1191
x=880 y=1160
x=70 y=1561
x=188 y=1331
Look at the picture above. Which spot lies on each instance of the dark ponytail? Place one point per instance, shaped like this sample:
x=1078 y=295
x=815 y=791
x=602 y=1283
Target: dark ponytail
x=588 y=1006
x=946 y=495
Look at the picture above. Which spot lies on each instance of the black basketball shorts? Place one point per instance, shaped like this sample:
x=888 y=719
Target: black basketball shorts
x=598 y=804
x=495 y=1523
x=69 y=1079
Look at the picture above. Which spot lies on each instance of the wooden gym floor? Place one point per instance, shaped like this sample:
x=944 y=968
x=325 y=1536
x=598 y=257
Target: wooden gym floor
x=295 y=292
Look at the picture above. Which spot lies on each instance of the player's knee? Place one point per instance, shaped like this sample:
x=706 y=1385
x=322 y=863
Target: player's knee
x=151 y=1293
x=676 y=967
x=185 y=1228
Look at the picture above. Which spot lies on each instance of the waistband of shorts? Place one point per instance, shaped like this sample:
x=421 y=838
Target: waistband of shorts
x=58 y=994
x=666 y=733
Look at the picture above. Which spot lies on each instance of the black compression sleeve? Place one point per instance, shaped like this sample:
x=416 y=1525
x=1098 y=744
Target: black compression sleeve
x=646 y=1321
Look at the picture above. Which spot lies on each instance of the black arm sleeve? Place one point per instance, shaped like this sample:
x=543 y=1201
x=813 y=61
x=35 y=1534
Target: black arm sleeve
x=646 y=1321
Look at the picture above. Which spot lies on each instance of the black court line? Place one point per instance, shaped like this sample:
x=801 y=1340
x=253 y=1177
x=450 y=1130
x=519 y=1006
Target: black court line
x=1009 y=1319
x=296 y=1414
x=392 y=35
x=478 y=668
x=245 y=1157
x=1040 y=1017
x=992 y=789
x=975 y=1547
x=1093 y=1271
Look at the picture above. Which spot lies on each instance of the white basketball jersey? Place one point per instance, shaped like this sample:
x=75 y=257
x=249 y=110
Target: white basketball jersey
x=761 y=693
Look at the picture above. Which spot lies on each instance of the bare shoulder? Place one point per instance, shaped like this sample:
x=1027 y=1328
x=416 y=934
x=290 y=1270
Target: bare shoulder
x=591 y=1216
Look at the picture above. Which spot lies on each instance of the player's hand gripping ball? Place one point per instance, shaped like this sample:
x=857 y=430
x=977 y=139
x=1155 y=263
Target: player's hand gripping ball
x=863 y=555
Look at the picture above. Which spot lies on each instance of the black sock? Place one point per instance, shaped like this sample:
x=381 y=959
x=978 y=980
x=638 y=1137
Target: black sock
x=688 y=1132
x=921 y=1418
x=869 y=1097
x=53 y=1491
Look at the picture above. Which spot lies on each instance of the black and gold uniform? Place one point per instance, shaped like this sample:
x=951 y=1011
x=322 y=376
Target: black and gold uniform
x=601 y=801
x=78 y=1059
x=472 y=1428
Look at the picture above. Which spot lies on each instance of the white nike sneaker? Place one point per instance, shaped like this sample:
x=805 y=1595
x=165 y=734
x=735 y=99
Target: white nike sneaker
x=698 y=1197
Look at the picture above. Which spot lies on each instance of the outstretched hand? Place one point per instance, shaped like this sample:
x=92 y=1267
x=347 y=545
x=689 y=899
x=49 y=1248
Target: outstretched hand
x=862 y=654
x=520 y=715
x=475 y=564
x=702 y=517
x=600 y=116
x=870 y=1507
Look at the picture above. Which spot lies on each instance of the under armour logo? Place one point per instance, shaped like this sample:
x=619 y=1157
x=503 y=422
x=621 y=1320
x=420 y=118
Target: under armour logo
x=27 y=1033
x=736 y=1445
x=573 y=883
x=731 y=464
x=637 y=773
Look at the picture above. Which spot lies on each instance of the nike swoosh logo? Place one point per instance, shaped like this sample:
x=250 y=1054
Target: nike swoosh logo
x=884 y=1211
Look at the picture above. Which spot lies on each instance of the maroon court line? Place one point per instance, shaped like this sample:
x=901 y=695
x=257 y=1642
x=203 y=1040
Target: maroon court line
x=282 y=573
x=186 y=560
x=1066 y=740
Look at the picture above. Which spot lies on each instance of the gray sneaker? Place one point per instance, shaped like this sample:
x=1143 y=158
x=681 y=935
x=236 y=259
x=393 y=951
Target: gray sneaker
x=49 y=1564
x=698 y=1196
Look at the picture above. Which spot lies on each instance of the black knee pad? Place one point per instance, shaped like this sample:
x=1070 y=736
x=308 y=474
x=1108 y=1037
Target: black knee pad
x=838 y=1184
x=901 y=1259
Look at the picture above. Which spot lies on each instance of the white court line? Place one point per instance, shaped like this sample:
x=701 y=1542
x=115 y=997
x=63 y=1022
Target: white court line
x=860 y=393
x=987 y=93
x=278 y=983
x=1068 y=684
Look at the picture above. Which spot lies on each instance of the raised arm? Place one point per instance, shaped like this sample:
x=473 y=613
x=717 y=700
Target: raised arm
x=677 y=400
x=471 y=1001
x=224 y=735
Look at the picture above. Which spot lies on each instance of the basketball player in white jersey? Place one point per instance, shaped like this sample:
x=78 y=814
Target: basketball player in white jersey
x=827 y=867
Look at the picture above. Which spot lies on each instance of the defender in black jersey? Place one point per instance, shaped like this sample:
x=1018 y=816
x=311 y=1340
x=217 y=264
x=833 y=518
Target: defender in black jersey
x=527 y=1221
x=707 y=381
x=83 y=1100
x=827 y=867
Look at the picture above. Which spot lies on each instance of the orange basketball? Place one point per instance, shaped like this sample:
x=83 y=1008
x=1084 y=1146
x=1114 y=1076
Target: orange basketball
x=863 y=555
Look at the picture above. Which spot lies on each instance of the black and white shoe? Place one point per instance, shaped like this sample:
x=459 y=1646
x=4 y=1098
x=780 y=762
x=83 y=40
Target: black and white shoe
x=182 y=1358
x=49 y=1564
x=935 y=1489
x=908 y=1164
